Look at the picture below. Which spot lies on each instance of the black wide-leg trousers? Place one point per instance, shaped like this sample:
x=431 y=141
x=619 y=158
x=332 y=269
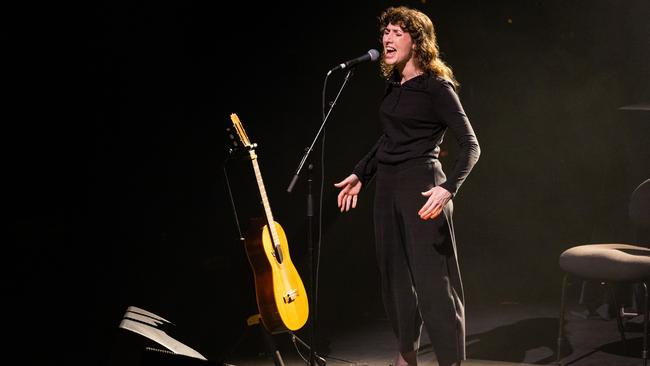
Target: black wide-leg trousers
x=420 y=276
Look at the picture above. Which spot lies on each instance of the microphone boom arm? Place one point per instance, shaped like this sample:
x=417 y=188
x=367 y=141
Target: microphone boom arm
x=371 y=55
x=311 y=147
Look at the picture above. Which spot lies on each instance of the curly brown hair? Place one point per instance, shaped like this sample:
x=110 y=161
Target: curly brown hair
x=422 y=32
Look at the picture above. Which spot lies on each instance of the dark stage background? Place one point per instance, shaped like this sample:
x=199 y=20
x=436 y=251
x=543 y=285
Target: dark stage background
x=116 y=160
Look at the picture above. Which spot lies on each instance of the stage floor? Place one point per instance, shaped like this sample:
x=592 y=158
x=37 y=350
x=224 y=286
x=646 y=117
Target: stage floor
x=505 y=334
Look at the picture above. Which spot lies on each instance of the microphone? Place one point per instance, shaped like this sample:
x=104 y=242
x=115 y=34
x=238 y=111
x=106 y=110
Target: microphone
x=371 y=55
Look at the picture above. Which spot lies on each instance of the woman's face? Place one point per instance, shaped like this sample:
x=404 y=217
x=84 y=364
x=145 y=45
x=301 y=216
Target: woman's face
x=398 y=45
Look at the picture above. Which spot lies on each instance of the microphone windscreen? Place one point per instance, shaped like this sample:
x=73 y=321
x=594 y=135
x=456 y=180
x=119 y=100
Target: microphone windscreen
x=374 y=54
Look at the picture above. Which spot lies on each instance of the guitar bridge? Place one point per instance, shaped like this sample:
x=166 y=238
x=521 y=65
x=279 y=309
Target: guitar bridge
x=290 y=296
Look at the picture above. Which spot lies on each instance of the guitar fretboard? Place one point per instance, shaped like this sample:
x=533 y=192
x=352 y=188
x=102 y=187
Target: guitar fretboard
x=265 y=201
x=260 y=183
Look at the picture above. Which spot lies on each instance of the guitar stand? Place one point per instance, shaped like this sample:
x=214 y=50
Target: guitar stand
x=271 y=347
x=269 y=343
x=319 y=360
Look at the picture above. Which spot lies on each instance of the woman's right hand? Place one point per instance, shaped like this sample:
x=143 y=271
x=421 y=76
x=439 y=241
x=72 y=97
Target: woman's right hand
x=351 y=186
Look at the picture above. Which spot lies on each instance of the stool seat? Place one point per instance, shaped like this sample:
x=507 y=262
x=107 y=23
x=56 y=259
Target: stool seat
x=607 y=262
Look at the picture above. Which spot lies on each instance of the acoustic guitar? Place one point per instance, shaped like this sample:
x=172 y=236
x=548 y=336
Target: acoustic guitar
x=280 y=293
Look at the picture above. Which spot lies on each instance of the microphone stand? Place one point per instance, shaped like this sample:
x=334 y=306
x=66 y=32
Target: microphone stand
x=313 y=258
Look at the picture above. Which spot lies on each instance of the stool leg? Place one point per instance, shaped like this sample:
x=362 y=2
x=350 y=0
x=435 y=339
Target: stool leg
x=561 y=322
x=619 y=319
x=644 y=353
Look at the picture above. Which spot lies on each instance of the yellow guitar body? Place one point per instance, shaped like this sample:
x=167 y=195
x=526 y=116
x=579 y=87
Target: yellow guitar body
x=281 y=296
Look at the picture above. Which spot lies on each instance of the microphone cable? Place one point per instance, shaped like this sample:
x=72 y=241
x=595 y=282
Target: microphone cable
x=316 y=259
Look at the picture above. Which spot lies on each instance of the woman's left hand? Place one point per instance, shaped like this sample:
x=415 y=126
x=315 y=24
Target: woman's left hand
x=438 y=198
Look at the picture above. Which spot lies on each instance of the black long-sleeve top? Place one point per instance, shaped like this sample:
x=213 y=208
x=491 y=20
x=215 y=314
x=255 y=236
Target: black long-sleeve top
x=414 y=117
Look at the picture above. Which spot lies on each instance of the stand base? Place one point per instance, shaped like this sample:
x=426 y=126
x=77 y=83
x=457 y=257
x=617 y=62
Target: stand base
x=319 y=360
x=271 y=347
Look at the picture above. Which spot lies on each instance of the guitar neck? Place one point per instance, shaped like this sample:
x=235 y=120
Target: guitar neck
x=265 y=200
x=260 y=183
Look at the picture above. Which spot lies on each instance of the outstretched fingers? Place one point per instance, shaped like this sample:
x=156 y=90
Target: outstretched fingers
x=348 y=201
x=341 y=197
x=347 y=197
x=438 y=198
x=430 y=210
x=437 y=209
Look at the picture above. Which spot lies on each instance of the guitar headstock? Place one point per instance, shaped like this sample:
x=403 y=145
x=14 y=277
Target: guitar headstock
x=241 y=133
